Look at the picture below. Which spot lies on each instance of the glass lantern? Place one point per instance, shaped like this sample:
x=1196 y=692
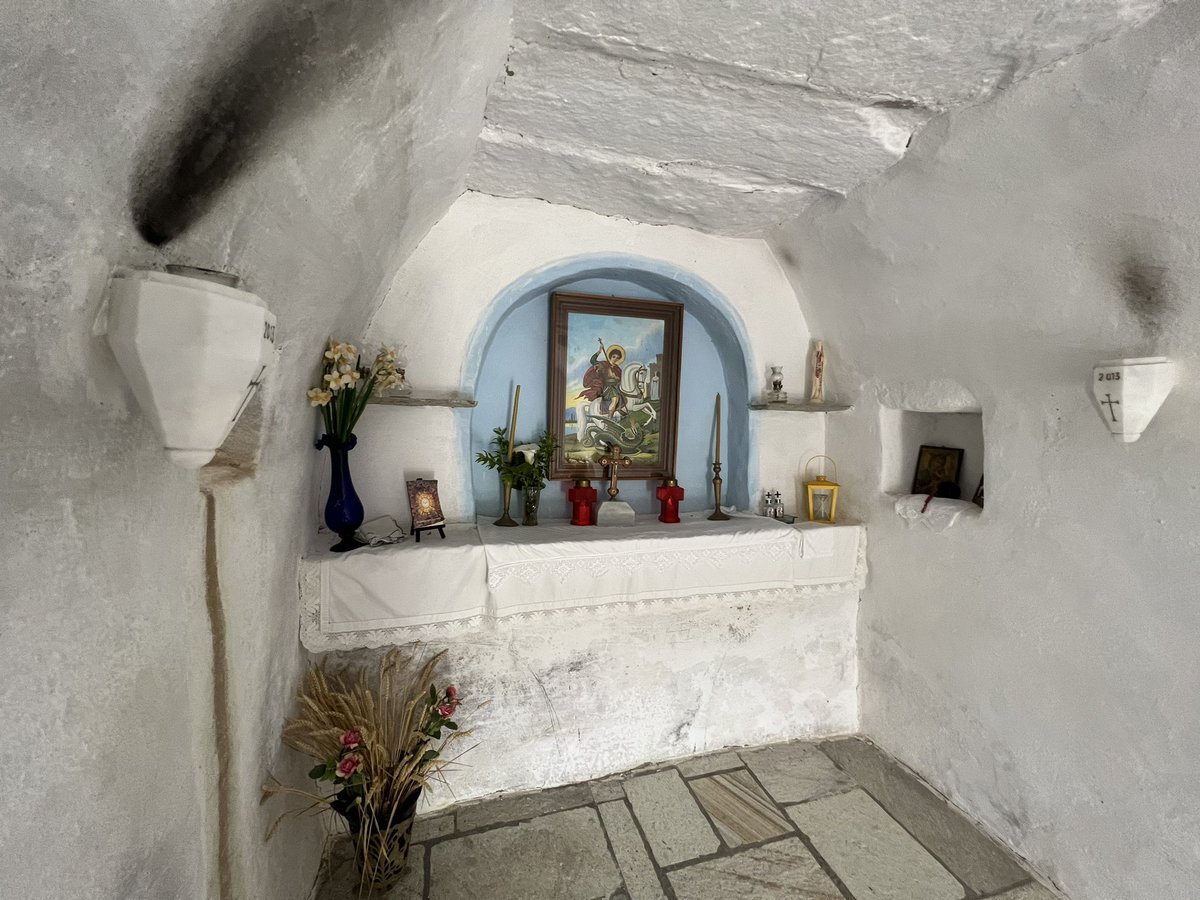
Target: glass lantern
x=822 y=494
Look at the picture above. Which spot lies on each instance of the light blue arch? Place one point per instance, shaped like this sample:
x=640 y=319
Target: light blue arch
x=711 y=308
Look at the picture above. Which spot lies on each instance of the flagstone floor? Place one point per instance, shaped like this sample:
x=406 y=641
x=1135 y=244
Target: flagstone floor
x=837 y=820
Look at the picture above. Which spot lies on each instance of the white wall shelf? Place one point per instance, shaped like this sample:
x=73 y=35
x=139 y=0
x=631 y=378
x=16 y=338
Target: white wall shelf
x=452 y=402
x=802 y=407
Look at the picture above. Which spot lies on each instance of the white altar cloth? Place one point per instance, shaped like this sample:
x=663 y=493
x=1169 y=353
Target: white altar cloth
x=561 y=566
x=407 y=584
x=375 y=596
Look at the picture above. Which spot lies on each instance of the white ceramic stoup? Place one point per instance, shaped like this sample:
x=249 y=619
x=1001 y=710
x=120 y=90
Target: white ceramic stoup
x=1129 y=392
x=193 y=351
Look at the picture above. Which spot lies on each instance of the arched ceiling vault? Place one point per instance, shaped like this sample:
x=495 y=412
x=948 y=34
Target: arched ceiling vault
x=731 y=116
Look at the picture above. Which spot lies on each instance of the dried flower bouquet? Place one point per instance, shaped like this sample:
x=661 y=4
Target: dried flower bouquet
x=379 y=739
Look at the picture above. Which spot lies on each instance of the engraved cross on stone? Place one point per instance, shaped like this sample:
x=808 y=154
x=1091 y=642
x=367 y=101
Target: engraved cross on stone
x=613 y=460
x=1110 y=403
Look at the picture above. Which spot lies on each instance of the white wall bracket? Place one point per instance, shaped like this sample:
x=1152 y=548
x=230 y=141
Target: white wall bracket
x=1129 y=392
x=193 y=350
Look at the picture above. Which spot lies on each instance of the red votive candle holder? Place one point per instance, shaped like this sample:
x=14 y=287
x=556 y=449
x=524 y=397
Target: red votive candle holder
x=582 y=496
x=669 y=494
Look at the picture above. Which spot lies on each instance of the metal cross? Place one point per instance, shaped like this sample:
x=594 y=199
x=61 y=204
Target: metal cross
x=1110 y=403
x=615 y=461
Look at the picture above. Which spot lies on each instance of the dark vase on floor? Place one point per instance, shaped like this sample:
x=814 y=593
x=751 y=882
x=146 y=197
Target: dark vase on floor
x=533 y=497
x=381 y=848
x=343 y=509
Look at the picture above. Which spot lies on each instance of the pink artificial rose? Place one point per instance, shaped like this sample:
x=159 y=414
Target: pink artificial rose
x=348 y=765
x=447 y=709
x=351 y=738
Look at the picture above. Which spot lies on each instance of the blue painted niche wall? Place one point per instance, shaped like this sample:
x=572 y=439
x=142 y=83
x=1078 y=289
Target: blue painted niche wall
x=516 y=351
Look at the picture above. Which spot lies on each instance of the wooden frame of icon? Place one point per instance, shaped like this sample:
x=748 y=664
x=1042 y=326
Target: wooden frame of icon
x=614 y=382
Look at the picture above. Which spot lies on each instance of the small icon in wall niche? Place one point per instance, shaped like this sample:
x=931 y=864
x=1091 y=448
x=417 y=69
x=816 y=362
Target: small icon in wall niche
x=937 y=471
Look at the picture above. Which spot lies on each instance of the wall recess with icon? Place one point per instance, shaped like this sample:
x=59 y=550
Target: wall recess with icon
x=932 y=453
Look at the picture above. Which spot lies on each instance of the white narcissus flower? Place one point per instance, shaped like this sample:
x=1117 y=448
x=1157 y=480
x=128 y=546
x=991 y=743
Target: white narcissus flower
x=318 y=397
x=333 y=381
x=528 y=450
x=339 y=351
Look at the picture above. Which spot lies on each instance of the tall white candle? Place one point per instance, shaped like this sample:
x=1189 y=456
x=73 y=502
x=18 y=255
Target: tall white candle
x=512 y=425
x=717 y=457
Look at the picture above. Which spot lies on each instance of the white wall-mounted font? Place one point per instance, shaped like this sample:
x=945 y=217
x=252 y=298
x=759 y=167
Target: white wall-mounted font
x=1129 y=392
x=194 y=349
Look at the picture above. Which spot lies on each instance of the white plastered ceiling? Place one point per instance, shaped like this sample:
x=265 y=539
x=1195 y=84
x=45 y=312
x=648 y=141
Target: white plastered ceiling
x=730 y=116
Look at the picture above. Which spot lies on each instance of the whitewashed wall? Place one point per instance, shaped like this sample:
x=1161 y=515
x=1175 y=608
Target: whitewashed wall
x=482 y=246
x=1038 y=664
x=107 y=746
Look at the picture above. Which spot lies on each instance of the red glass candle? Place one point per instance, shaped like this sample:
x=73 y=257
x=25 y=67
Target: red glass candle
x=669 y=494
x=582 y=496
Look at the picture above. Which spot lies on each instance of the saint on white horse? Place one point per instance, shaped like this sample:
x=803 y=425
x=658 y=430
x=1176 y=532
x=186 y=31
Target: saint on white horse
x=634 y=378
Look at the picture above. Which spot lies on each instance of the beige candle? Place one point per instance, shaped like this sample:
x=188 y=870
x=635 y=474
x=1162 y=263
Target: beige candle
x=717 y=457
x=512 y=425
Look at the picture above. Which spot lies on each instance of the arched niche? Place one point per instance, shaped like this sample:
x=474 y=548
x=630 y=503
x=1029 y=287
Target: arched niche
x=510 y=345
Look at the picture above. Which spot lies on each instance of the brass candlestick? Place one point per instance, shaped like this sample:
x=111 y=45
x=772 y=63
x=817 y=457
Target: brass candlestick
x=718 y=515
x=505 y=519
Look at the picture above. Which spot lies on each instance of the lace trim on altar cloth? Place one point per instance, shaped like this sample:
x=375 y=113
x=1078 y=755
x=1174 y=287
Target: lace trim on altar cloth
x=317 y=641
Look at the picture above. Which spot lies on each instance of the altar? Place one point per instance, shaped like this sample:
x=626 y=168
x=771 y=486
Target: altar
x=482 y=573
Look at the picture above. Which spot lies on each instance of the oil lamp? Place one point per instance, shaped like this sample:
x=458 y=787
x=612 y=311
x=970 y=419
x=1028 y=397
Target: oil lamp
x=822 y=494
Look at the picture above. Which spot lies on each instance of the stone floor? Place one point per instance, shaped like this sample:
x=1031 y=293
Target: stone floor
x=800 y=821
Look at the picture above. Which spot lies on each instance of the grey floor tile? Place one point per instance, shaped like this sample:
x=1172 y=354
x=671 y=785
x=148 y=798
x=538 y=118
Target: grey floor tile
x=427 y=828
x=713 y=762
x=969 y=853
x=672 y=822
x=641 y=881
x=1032 y=891
x=784 y=870
x=741 y=811
x=793 y=773
x=412 y=885
x=872 y=855
x=560 y=856
x=608 y=789
x=518 y=807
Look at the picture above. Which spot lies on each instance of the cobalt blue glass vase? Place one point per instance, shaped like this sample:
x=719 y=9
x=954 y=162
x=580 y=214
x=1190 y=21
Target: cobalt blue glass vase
x=343 y=509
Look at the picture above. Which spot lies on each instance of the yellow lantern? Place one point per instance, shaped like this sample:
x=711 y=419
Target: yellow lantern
x=822 y=494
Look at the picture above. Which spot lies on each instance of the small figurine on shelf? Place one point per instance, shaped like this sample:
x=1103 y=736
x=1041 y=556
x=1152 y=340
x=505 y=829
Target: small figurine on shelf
x=777 y=394
x=669 y=494
x=818 y=372
x=773 y=505
x=400 y=387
